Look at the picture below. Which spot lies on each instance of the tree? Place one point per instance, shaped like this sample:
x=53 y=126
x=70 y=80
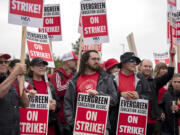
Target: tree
x=57 y=61
x=75 y=47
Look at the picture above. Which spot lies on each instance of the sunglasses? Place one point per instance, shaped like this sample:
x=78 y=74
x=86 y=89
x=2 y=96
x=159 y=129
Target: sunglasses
x=5 y=62
x=40 y=65
x=132 y=60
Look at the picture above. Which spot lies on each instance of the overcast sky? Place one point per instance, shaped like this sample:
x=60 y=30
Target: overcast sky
x=145 y=18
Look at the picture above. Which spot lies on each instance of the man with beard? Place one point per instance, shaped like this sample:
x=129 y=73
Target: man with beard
x=59 y=80
x=171 y=106
x=90 y=79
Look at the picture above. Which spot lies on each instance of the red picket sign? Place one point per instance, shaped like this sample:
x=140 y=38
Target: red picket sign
x=91 y=114
x=34 y=119
x=132 y=118
x=27 y=13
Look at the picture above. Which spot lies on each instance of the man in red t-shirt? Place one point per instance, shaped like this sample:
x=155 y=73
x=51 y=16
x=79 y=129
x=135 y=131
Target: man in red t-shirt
x=130 y=84
x=59 y=80
x=90 y=79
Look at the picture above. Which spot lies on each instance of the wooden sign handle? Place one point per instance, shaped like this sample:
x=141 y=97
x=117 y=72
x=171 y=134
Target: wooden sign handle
x=23 y=43
x=79 y=54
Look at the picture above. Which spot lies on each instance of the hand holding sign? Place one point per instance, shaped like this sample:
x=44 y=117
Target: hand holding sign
x=92 y=92
x=52 y=105
x=20 y=69
x=130 y=95
x=32 y=92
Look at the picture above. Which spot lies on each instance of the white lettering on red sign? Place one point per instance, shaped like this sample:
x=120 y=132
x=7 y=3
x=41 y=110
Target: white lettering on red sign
x=32 y=115
x=91 y=115
x=92 y=30
x=49 y=21
x=94 y=20
x=133 y=119
x=26 y=7
x=38 y=47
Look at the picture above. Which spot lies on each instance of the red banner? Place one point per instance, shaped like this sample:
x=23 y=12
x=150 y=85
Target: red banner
x=90 y=121
x=30 y=8
x=51 y=26
x=39 y=50
x=94 y=26
x=34 y=119
x=92 y=47
x=172 y=2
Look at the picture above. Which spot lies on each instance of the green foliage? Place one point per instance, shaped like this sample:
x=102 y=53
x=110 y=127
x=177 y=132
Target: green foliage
x=75 y=47
x=57 y=62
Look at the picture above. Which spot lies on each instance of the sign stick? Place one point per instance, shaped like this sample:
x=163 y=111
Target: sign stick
x=48 y=87
x=170 y=33
x=79 y=55
x=178 y=58
x=23 y=42
x=50 y=42
x=131 y=43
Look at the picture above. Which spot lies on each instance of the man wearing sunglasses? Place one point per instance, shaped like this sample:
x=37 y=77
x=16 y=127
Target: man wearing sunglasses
x=130 y=85
x=9 y=98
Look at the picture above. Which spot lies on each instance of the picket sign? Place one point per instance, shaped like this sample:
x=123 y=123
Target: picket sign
x=161 y=57
x=91 y=114
x=34 y=119
x=26 y=12
x=38 y=46
x=23 y=42
x=52 y=22
x=132 y=116
x=131 y=43
x=178 y=41
x=94 y=22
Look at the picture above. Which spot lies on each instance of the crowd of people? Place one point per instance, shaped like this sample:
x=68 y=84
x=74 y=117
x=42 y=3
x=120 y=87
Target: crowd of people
x=130 y=78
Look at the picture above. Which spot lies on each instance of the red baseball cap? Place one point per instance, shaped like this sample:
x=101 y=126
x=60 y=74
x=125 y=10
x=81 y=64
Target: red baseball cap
x=110 y=63
x=6 y=56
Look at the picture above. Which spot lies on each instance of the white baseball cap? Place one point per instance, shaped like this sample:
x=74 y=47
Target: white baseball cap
x=69 y=56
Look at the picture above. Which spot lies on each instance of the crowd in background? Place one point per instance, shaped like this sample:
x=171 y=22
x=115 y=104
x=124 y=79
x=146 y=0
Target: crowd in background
x=130 y=78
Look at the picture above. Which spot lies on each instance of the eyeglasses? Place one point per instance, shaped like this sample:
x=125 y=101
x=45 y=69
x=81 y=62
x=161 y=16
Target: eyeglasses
x=5 y=62
x=94 y=59
x=132 y=60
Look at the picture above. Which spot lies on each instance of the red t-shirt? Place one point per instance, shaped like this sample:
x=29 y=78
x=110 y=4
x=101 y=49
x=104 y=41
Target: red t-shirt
x=126 y=83
x=87 y=82
x=40 y=86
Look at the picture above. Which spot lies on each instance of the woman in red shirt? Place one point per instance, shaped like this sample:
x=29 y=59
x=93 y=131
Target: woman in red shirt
x=36 y=78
